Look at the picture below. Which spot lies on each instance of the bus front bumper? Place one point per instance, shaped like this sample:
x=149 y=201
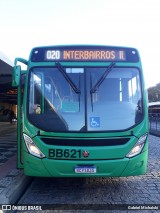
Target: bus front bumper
x=104 y=168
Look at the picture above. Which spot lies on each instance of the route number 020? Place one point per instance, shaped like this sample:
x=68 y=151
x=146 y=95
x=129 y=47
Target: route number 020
x=53 y=54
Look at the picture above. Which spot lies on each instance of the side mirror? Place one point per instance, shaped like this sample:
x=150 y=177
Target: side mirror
x=16 y=76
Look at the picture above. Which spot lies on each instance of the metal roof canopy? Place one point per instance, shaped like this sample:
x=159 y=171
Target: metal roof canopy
x=154 y=104
x=6 y=67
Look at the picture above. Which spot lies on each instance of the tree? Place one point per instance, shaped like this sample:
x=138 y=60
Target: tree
x=154 y=93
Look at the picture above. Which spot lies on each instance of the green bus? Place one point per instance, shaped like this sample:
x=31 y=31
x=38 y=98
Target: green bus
x=82 y=112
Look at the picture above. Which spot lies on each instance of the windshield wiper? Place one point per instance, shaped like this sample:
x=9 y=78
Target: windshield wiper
x=68 y=79
x=102 y=78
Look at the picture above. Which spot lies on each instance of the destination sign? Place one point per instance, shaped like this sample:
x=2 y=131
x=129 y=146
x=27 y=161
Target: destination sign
x=84 y=53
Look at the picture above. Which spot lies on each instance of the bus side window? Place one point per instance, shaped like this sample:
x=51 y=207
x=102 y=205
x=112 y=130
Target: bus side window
x=36 y=94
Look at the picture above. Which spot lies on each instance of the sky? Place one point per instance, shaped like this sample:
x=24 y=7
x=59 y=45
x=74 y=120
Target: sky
x=25 y=24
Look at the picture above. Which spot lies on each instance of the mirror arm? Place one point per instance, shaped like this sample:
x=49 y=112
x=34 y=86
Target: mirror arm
x=22 y=60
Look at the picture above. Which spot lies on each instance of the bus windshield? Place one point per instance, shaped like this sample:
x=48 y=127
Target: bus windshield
x=64 y=100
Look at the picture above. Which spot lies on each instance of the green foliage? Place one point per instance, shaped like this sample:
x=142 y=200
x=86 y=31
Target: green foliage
x=154 y=93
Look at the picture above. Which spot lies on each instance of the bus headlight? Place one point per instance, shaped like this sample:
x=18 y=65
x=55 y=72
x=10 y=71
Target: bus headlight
x=137 y=147
x=32 y=148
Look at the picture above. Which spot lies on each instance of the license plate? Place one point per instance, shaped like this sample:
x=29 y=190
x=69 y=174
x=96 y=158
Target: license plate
x=85 y=169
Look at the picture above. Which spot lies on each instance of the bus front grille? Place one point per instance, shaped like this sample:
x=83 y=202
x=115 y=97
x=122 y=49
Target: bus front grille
x=85 y=142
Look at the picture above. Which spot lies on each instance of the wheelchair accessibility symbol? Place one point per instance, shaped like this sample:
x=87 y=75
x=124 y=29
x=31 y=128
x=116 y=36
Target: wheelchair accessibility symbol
x=94 y=122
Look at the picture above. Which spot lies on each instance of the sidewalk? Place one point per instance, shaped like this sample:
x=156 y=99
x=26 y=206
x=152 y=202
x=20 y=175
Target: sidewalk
x=12 y=180
x=8 y=141
x=7 y=127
